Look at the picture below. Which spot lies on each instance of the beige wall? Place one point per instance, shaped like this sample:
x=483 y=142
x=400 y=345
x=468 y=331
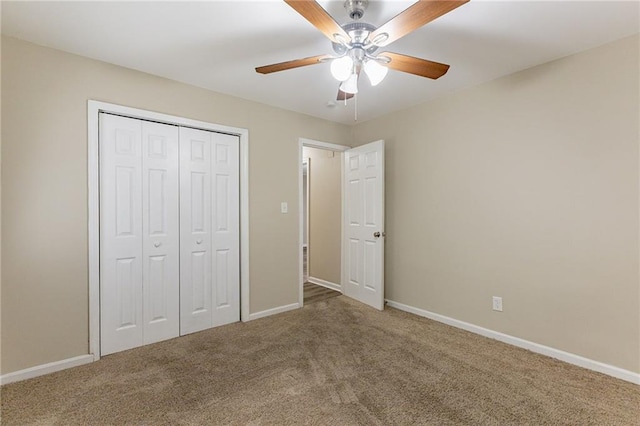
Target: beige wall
x=527 y=188
x=44 y=197
x=325 y=213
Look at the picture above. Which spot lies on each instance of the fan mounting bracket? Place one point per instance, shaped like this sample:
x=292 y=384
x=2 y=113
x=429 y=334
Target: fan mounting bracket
x=356 y=8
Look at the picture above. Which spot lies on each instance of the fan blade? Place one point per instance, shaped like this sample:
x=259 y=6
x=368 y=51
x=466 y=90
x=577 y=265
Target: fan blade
x=416 y=66
x=267 y=69
x=413 y=18
x=343 y=96
x=314 y=13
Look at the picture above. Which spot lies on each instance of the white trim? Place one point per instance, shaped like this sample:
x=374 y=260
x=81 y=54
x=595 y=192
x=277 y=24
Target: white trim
x=567 y=357
x=93 y=184
x=343 y=221
x=301 y=227
x=244 y=227
x=302 y=142
x=273 y=311
x=327 y=284
x=93 y=109
x=323 y=145
x=306 y=205
x=41 y=370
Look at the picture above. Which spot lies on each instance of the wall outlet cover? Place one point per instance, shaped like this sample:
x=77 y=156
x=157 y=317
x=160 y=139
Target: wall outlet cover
x=497 y=303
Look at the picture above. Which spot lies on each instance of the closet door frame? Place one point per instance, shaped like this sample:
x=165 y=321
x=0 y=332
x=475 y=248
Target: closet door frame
x=94 y=108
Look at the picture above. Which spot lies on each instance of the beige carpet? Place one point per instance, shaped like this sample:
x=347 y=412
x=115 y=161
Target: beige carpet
x=334 y=362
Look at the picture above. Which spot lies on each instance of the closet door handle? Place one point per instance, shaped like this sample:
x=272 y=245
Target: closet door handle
x=198 y=241
x=157 y=244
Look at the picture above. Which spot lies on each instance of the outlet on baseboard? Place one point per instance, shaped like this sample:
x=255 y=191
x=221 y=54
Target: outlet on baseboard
x=497 y=303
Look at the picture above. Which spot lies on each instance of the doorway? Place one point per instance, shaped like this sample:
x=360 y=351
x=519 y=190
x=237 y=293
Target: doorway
x=321 y=220
x=360 y=208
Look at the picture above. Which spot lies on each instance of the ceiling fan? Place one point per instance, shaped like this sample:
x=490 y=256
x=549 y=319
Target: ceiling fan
x=356 y=43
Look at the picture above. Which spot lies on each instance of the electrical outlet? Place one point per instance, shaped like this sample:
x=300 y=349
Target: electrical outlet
x=497 y=303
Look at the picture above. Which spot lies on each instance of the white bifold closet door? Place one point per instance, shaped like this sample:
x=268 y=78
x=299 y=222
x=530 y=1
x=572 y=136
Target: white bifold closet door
x=169 y=231
x=139 y=233
x=209 y=230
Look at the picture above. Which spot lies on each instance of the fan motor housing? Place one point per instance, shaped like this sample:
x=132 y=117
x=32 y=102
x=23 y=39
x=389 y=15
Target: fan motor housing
x=358 y=32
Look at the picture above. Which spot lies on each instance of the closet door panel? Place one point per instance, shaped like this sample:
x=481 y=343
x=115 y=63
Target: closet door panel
x=121 y=234
x=169 y=231
x=195 y=230
x=225 y=226
x=161 y=277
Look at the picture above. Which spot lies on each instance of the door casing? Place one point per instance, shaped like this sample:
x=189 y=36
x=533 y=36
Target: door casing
x=306 y=203
x=93 y=173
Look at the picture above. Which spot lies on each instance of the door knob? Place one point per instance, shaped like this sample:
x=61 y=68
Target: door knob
x=376 y=234
x=198 y=241
x=157 y=244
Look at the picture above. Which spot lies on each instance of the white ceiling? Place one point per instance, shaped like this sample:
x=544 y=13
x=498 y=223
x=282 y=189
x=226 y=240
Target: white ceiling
x=218 y=44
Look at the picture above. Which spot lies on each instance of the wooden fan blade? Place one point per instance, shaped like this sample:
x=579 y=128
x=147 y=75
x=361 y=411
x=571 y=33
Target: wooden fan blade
x=314 y=13
x=342 y=96
x=413 y=18
x=268 y=69
x=416 y=66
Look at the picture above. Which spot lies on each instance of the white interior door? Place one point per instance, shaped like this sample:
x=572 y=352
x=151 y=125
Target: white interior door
x=161 y=274
x=195 y=230
x=121 y=323
x=138 y=233
x=225 y=176
x=209 y=230
x=169 y=231
x=363 y=224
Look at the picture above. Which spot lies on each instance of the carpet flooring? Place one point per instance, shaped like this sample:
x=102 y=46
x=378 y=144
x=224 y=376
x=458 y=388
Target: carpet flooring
x=316 y=293
x=334 y=362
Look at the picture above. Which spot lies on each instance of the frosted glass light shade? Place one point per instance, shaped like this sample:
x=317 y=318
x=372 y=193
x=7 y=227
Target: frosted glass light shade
x=341 y=68
x=375 y=72
x=350 y=85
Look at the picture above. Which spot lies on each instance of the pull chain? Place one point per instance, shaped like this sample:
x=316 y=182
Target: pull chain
x=355 y=107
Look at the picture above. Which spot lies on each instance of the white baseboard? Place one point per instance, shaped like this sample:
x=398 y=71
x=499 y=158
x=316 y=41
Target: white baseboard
x=570 y=358
x=327 y=284
x=41 y=370
x=273 y=311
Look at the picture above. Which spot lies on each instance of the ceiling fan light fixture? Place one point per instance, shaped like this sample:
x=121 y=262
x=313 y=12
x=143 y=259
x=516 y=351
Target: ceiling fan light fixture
x=350 y=85
x=375 y=71
x=342 y=68
x=355 y=43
